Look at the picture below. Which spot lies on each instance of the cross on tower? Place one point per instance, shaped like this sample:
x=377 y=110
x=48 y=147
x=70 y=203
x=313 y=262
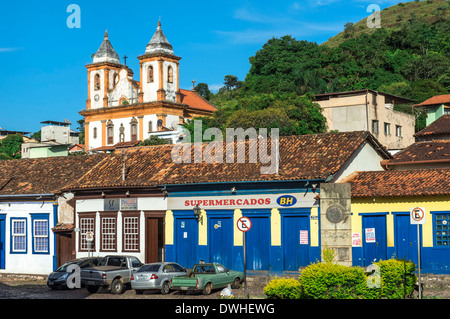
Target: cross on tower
x=193 y=84
x=125 y=59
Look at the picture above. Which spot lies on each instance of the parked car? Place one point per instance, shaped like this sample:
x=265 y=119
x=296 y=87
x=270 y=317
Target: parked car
x=58 y=278
x=113 y=273
x=156 y=276
x=206 y=277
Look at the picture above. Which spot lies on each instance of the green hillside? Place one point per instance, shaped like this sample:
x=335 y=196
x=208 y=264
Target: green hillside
x=393 y=18
x=409 y=56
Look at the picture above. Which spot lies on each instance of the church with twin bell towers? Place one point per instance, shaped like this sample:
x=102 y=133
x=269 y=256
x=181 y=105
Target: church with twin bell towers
x=121 y=111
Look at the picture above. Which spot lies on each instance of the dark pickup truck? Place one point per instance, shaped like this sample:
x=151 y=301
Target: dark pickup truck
x=113 y=273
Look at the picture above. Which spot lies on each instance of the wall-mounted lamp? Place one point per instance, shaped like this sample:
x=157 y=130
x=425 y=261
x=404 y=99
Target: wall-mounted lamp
x=198 y=214
x=233 y=190
x=314 y=186
x=103 y=194
x=127 y=193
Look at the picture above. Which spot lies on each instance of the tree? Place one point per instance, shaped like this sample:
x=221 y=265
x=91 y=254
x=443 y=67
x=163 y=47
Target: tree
x=153 y=140
x=10 y=146
x=81 y=129
x=203 y=90
x=231 y=82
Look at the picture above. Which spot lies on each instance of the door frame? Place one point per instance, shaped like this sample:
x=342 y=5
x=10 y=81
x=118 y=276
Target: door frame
x=295 y=212
x=155 y=215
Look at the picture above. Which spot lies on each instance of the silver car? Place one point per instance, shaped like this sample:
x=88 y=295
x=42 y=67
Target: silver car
x=156 y=276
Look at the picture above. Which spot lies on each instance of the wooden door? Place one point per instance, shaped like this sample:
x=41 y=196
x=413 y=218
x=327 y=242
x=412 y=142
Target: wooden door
x=153 y=239
x=65 y=247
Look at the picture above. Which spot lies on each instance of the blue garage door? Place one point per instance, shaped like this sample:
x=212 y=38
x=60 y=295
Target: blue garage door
x=186 y=241
x=2 y=241
x=295 y=242
x=374 y=238
x=405 y=238
x=258 y=243
x=221 y=240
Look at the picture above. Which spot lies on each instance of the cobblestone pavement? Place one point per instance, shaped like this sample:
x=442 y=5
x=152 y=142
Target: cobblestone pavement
x=37 y=289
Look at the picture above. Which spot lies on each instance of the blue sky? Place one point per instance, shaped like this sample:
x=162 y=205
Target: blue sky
x=42 y=60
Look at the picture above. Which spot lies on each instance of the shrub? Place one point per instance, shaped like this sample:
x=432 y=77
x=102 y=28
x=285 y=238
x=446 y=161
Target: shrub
x=397 y=278
x=283 y=288
x=333 y=281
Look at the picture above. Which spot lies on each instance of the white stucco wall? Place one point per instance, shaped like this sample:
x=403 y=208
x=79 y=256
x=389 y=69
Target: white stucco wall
x=27 y=262
x=92 y=92
x=364 y=159
x=97 y=206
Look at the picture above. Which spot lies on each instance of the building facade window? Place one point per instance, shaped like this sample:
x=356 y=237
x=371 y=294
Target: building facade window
x=441 y=229
x=116 y=78
x=150 y=74
x=87 y=224
x=387 y=128
x=110 y=132
x=40 y=232
x=95 y=132
x=131 y=233
x=134 y=129
x=375 y=128
x=170 y=74
x=19 y=235
x=398 y=131
x=108 y=236
x=150 y=126
x=97 y=82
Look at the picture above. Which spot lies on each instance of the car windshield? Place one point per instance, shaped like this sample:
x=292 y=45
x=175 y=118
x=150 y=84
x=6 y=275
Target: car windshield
x=63 y=267
x=204 y=269
x=149 y=268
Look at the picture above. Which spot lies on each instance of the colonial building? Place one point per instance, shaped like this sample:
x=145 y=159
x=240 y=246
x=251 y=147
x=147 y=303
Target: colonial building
x=368 y=110
x=35 y=219
x=432 y=149
x=435 y=107
x=142 y=203
x=121 y=109
x=381 y=224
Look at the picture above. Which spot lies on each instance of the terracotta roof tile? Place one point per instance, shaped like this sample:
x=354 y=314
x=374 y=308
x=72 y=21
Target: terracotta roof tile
x=196 y=101
x=419 y=182
x=301 y=157
x=436 y=100
x=440 y=126
x=437 y=150
x=43 y=175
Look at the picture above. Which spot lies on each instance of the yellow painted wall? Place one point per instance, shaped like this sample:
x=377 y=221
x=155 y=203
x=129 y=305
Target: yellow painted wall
x=399 y=204
x=314 y=227
x=203 y=229
x=237 y=234
x=169 y=227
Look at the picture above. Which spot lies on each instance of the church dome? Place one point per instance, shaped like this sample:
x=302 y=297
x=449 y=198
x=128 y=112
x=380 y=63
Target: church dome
x=106 y=53
x=159 y=44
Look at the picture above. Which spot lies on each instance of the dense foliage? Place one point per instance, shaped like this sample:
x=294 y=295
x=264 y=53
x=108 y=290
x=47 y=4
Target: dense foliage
x=393 y=279
x=409 y=57
x=10 y=147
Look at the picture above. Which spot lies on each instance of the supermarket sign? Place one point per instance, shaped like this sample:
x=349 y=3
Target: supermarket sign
x=244 y=201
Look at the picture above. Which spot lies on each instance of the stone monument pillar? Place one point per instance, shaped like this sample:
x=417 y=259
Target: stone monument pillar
x=335 y=220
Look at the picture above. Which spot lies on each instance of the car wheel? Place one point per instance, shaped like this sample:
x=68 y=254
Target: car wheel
x=208 y=288
x=117 y=286
x=92 y=289
x=236 y=283
x=165 y=289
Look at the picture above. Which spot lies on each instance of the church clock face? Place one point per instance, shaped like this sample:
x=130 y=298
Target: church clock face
x=96 y=97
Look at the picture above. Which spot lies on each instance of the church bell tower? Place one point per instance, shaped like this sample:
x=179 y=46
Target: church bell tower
x=159 y=68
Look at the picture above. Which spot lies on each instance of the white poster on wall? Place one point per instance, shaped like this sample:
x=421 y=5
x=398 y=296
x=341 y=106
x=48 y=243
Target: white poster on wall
x=370 y=235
